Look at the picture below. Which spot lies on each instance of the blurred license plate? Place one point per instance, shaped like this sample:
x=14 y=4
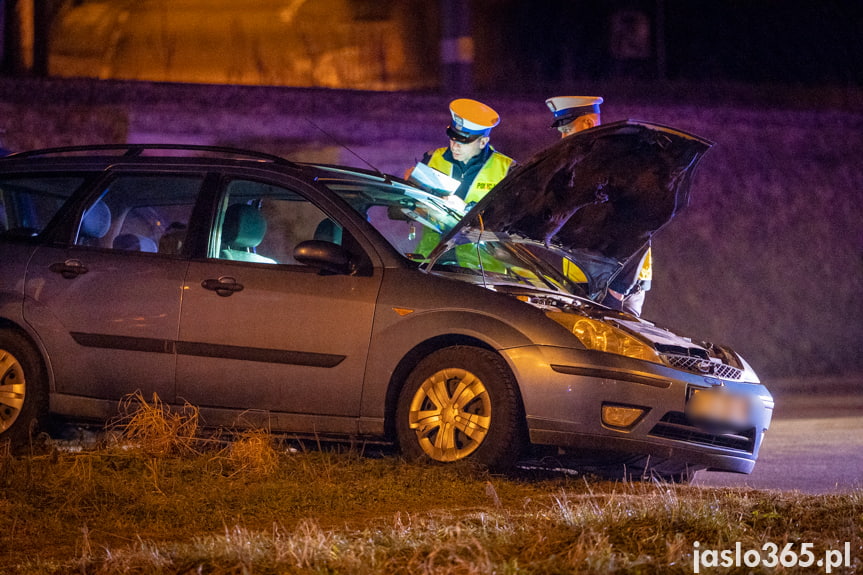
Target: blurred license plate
x=715 y=407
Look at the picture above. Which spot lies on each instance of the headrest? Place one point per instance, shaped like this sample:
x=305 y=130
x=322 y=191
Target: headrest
x=329 y=231
x=96 y=221
x=244 y=226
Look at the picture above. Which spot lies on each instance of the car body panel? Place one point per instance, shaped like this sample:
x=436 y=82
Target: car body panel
x=566 y=402
x=93 y=345
x=253 y=348
x=415 y=309
x=15 y=256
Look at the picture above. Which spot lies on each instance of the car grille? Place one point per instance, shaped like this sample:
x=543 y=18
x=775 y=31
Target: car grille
x=701 y=366
x=674 y=425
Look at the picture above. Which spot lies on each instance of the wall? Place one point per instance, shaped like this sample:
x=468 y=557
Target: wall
x=768 y=257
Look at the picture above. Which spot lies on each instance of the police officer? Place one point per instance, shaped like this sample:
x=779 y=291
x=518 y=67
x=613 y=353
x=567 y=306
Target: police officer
x=627 y=290
x=573 y=114
x=470 y=158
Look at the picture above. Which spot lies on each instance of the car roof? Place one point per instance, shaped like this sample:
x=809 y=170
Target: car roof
x=101 y=156
x=150 y=150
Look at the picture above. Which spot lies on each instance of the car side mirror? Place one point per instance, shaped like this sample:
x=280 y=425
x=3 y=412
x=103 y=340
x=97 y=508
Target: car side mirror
x=327 y=256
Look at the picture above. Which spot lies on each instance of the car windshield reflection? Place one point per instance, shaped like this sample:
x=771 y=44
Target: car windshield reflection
x=410 y=219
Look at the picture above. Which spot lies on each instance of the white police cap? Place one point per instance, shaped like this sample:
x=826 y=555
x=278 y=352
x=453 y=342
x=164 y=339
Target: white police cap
x=568 y=108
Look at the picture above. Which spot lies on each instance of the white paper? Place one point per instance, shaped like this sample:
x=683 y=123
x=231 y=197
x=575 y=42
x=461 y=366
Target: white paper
x=434 y=180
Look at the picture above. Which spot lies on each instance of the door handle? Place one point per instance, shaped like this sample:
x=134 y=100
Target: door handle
x=70 y=269
x=224 y=286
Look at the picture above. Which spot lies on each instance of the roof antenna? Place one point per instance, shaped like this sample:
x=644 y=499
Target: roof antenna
x=385 y=177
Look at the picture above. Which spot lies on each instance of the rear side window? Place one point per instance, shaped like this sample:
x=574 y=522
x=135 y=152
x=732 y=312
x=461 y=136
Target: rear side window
x=141 y=213
x=28 y=203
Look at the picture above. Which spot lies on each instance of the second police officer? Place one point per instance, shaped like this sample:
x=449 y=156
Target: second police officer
x=573 y=114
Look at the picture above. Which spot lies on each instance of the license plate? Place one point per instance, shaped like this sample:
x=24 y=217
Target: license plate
x=717 y=408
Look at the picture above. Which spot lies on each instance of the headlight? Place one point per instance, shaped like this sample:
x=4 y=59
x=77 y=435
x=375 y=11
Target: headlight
x=600 y=336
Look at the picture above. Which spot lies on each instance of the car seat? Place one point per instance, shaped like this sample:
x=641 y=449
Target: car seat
x=329 y=231
x=135 y=243
x=243 y=230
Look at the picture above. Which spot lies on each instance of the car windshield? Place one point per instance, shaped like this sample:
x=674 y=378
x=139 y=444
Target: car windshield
x=413 y=222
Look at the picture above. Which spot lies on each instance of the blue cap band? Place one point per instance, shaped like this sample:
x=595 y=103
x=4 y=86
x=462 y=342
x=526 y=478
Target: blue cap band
x=577 y=111
x=567 y=115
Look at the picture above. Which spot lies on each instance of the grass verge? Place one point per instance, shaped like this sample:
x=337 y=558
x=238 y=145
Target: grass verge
x=141 y=502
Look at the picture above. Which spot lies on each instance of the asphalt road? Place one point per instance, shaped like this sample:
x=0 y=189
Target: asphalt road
x=814 y=445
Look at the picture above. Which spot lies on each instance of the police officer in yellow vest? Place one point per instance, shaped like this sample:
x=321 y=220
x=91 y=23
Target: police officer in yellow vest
x=469 y=157
x=573 y=114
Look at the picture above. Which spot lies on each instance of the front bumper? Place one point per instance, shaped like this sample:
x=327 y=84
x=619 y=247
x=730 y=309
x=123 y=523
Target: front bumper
x=564 y=391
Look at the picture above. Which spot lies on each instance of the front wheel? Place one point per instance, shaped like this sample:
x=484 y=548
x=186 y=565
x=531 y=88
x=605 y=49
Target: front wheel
x=23 y=398
x=461 y=402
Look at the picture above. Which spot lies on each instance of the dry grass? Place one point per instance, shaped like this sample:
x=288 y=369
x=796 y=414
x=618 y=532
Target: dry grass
x=154 y=428
x=152 y=503
x=252 y=453
x=638 y=528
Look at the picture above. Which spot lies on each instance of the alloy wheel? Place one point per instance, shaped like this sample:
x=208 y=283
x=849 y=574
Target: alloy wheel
x=451 y=414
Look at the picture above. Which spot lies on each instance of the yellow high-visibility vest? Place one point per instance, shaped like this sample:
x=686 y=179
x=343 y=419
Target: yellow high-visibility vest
x=492 y=172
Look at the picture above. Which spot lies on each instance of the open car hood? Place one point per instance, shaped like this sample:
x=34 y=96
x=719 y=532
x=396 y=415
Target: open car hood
x=601 y=193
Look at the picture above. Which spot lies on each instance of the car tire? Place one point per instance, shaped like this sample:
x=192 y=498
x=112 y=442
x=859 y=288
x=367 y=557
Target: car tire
x=23 y=390
x=461 y=403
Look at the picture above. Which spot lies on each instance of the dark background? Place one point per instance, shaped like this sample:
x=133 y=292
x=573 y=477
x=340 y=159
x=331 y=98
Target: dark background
x=794 y=42
x=530 y=45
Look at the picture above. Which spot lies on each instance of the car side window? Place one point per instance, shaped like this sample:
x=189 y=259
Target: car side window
x=28 y=203
x=141 y=213
x=263 y=223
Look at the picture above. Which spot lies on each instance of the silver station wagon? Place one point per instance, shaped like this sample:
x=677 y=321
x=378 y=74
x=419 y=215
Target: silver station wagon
x=339 y=302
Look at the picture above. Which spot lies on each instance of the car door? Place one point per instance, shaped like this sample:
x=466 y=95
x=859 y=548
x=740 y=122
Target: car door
x=106 y=300
x=262 y=333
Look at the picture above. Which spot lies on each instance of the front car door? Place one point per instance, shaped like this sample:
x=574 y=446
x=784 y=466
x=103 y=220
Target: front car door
x=261 y=335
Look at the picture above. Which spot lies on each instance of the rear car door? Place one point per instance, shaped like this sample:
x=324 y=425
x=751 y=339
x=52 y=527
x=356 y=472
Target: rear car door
x=106 y=299
x=261 y=332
